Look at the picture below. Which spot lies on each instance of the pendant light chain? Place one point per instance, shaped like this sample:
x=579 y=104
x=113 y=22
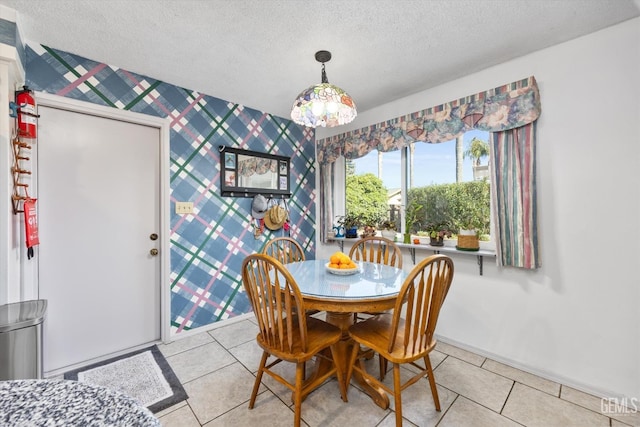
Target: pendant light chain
x=324 y=75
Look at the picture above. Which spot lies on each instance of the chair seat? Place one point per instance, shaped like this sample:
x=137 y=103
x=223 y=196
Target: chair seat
x=375 y=333
x=320 y=334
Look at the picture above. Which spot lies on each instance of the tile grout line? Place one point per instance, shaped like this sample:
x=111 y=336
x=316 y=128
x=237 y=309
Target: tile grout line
x=483 y=365
x=449 y=407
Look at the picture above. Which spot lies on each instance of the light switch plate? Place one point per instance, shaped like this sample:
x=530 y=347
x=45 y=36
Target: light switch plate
x=184 y=207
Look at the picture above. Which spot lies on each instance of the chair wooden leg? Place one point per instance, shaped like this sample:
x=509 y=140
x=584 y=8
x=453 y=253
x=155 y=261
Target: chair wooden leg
x=397 y=394
x=256 y=385
x=338 y=363
x=383 y=367
x=352 y=360
x=298 y=395
x=432 y=382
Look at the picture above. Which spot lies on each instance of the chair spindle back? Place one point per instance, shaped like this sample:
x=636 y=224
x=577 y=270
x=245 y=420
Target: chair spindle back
x=379 y=250
x=284 y=249
x=275 y=298
x=423 y=292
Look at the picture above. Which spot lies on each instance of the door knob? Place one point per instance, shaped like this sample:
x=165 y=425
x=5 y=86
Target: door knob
x=153 y=236
x=153 y=252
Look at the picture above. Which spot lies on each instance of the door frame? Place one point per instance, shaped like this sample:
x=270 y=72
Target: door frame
x=163 y=126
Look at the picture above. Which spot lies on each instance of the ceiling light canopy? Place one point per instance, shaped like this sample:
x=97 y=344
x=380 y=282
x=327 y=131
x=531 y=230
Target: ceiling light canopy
x=323 y=104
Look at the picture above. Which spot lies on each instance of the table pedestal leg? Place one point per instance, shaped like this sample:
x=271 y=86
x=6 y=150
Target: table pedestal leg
x=344 y=348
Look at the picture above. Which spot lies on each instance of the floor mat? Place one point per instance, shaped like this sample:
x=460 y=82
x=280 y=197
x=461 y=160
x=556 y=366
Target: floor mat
x=143 y=374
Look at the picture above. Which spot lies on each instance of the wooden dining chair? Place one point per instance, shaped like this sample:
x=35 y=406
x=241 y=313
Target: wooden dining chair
x=379 y=250
x=284 y=249
x=287 y=250
x=406 y=339
x=275 y=298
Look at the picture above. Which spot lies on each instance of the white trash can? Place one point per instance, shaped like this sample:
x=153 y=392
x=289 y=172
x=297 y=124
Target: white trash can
x=21 y=339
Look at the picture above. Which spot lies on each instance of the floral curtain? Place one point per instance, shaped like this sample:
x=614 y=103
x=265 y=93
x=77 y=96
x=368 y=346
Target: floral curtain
x=505 y=107
x=509 y=112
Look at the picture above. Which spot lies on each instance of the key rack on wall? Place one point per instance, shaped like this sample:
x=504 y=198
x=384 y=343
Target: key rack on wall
x=20 y=170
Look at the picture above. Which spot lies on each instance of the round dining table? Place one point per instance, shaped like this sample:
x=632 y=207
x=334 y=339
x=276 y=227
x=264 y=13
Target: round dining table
x=370 y=288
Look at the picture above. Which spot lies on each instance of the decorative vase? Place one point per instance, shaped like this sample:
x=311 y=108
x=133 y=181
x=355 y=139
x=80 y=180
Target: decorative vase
x=468 y=240
x=436 y=241
x=352 y=232
x=407 y=238
x=389 y=234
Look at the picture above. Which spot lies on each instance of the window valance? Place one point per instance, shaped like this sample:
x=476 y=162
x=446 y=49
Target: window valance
x=506 y=107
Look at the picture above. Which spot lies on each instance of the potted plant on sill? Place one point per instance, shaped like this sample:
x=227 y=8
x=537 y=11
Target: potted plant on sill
x=388 y=229
x=437 y=231
x=411 y=220
x=370 y=221
x=469 y=235
x=350 y=222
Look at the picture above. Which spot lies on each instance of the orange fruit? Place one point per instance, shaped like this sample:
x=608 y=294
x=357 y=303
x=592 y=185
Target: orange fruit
x=335 y=259
x=334 y=265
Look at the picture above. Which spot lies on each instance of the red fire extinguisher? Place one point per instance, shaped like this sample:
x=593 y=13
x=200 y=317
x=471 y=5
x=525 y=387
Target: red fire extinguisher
x=27 y=123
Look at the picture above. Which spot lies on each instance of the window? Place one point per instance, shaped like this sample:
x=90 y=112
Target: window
x=443 y=185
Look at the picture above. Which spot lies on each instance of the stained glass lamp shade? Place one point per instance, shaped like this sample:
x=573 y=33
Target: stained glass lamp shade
x=323 y=104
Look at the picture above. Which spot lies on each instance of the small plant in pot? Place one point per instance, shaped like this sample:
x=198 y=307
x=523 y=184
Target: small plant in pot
x=370 y=221
x=368 y=231
x=350 y=222
x=437 y=231
x=411 y=220
x=469 y=235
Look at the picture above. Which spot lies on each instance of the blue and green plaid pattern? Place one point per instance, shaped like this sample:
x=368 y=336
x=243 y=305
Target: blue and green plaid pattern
x=208 y=247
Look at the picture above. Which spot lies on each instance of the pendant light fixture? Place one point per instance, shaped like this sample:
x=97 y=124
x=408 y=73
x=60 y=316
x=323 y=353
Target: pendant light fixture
x=323 y=104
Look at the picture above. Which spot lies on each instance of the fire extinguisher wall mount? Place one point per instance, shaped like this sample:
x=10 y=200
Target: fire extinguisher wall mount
x=27 y=117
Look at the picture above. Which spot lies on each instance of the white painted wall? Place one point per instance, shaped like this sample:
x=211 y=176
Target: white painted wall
x=576 y=319
x=12 y=270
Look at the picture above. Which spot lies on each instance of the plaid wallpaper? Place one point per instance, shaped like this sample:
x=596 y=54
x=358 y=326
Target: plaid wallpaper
x=207 y=248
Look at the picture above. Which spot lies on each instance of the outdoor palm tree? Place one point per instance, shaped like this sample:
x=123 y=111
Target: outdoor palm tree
x=477 y=150
x=459 y=157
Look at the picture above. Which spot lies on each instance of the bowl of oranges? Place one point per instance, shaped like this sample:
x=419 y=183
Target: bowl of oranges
x=340 y=263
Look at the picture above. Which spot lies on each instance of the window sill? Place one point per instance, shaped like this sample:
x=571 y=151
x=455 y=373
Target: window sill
x=479 y=254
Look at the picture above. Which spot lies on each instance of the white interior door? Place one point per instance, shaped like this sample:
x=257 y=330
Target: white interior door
x=98 y=205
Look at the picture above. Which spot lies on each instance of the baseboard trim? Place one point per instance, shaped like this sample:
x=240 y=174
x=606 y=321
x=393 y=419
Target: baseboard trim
x=562 y=380
x=209 y=327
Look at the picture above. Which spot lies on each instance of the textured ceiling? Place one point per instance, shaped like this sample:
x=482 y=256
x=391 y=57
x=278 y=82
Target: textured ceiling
x=260 y=53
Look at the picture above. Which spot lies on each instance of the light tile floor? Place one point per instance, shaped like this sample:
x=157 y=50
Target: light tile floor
x=217 y=369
